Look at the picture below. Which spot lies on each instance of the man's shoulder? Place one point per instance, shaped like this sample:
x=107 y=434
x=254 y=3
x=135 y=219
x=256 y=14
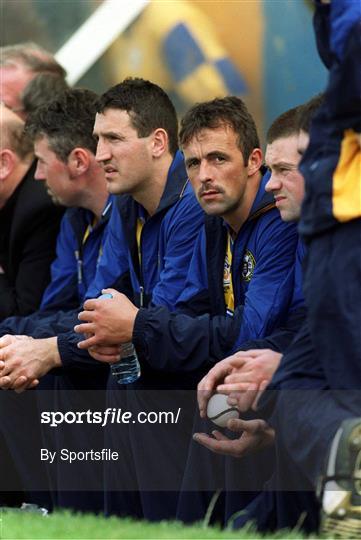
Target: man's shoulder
x=185 y=209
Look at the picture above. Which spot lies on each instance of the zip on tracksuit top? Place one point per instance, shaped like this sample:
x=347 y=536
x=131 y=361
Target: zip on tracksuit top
x=263 y=278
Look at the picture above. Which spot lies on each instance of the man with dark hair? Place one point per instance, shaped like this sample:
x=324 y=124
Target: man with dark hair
x=229 y=111
x=249 y=370
x=64 y=146
x=258 y=365
x=29 y=223
x=147 y=105
x=287 y=139
x=19 y=64
x=286 y=184
x=142 y=160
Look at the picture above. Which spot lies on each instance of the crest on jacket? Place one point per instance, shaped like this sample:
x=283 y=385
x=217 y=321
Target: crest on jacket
x=249 y=264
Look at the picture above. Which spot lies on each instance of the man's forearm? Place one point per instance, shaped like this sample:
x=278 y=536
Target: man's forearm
x=177 y=342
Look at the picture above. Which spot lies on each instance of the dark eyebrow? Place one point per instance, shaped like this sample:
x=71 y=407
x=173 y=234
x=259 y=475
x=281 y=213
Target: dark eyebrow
x=111 y=134
x=216 y=153
x=107 y=134
x=190 y=160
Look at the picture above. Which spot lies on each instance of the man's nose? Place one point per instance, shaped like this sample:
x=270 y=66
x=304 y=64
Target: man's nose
x=273 y=183
x=103 y=152
x=205 y=172
x=39 y=172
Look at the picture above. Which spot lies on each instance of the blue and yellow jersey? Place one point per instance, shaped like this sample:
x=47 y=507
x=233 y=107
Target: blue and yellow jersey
x=332 y=163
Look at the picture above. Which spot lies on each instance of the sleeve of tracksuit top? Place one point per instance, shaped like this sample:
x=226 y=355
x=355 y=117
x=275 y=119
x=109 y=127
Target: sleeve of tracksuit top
x=181 y=342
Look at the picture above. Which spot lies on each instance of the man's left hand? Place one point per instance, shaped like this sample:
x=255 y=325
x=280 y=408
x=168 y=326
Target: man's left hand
x=255 y=435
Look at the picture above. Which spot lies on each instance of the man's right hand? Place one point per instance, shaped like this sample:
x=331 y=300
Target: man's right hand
x=243 y=371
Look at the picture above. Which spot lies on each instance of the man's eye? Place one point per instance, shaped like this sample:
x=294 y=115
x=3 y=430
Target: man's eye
x=191 y=164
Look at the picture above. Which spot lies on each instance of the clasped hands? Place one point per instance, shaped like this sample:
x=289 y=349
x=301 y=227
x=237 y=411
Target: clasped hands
x=23 y=360
x=243 y=377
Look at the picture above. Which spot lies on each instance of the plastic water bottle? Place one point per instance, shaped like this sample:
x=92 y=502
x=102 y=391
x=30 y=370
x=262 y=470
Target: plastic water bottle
x=127 y=370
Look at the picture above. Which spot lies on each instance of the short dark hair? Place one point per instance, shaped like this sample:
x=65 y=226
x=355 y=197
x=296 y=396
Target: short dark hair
x=148 y=106
x=308 y=111
x=229 y=111
x=66 y=122
x=32 y=57
x=285 y=125
x=43 y=88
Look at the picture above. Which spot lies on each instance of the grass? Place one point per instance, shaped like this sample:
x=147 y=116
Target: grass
x=22 y=525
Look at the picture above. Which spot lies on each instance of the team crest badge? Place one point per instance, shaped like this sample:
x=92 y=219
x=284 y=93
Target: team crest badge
x=249 y=264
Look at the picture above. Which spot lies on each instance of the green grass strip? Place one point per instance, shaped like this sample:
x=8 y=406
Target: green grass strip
x=22 y=525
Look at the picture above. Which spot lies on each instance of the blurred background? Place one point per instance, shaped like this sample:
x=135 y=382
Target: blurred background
x=261 y=50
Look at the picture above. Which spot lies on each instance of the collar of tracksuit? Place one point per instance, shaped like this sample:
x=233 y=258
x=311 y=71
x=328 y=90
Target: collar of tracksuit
x=80 y=218
x=264 y=201
x=130 y=210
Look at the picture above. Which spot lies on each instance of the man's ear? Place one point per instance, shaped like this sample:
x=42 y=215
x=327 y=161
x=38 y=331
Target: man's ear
x=78 y=162
x=160 y=142
x=8 y=161
x=255 y=161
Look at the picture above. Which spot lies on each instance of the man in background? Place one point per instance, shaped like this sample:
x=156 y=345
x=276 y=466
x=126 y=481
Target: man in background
x=19 y=64
x=29 y=222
